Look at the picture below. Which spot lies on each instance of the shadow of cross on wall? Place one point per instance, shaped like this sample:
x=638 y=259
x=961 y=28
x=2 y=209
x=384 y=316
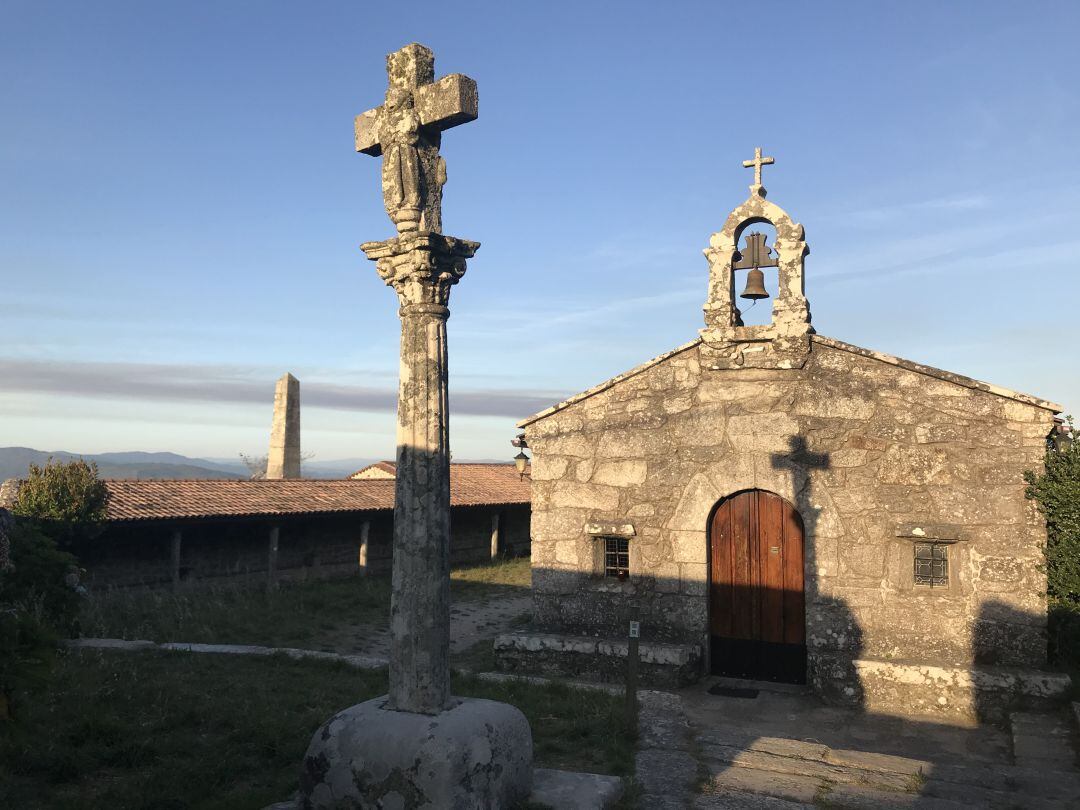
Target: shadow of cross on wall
x=831 y=626
x=799 y=460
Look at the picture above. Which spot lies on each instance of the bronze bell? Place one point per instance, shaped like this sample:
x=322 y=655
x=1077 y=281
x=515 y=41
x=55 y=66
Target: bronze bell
x=755 y=286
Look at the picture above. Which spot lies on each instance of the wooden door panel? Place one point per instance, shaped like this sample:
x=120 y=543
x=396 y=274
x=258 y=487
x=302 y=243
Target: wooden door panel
x=721 y=572
x=771 y=554
x=756 y=601
x=742 y=603
x=794 y=592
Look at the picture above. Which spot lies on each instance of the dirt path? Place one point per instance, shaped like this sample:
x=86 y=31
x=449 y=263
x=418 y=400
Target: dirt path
x=471 y=621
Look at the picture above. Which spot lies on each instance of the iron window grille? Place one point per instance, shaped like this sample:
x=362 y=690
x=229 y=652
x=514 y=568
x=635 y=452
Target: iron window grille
x=616 y=557
x=932 y=565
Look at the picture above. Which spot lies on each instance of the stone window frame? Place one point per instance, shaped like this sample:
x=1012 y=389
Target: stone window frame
x=911 y=536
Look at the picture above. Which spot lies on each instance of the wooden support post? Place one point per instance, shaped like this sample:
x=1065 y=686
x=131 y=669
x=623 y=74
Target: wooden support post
x=271 y=558
x=495 y=536
x=177 y=537
x=365 y=531
x=632 y=660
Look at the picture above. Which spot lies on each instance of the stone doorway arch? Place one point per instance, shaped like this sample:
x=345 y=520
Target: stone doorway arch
x=757 y=601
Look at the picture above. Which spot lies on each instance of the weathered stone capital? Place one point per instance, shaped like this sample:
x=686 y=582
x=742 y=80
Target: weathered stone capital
x=421 y=267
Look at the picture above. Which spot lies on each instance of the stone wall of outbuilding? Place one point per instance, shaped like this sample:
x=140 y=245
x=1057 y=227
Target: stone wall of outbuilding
x=864 y=448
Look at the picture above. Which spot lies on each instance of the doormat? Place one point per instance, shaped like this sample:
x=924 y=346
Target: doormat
x=734 y=691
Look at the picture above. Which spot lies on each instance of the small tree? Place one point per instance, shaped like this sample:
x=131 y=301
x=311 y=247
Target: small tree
x=67 y=500
x=1057 y=491
x=256 y=466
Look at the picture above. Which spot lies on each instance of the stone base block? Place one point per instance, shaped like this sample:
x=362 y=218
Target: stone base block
x=974 y=694
x=477 y=754
x=566 y=790
x=596 y=659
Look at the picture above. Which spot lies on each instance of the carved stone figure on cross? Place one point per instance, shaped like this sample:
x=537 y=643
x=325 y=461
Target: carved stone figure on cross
x=407 y=132
x=399 y=133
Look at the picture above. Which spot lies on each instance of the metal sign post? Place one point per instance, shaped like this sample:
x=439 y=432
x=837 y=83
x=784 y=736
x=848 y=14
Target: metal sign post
x=632 y=659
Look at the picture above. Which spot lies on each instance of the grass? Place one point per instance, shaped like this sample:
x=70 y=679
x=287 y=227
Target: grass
x=304 y=614
x=181 y=730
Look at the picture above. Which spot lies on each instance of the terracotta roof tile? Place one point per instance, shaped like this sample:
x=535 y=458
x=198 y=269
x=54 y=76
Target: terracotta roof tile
x=470 y=485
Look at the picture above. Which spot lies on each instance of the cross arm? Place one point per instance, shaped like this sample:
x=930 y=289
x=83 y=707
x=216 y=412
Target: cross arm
x=450 y=101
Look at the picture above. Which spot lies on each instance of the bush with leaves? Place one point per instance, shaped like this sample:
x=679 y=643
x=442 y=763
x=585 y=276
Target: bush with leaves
x=66 y=500
x=1057 y=491
x=39 y=600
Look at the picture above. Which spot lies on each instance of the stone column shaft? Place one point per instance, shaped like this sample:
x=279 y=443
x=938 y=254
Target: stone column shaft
x=421 y=268
x=420 y=605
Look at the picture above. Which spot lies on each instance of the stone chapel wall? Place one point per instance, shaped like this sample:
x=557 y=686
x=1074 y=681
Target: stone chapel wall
x=863 y=448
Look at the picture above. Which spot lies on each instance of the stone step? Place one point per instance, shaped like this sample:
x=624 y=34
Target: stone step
x=795 y=788
x=718 y=758
x=976 y=796
x=737 y=800
x=1043 y=740
x=858 y=797
x=1037 y=782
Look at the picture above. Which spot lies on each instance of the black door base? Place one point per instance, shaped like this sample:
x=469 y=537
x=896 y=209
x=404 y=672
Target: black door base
x=758 y=660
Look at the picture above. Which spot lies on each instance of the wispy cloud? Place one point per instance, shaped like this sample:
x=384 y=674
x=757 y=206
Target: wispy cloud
x=890 y=214
x=236 y=385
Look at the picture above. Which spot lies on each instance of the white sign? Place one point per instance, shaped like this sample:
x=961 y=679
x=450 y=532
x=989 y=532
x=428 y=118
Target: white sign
x=635 y=629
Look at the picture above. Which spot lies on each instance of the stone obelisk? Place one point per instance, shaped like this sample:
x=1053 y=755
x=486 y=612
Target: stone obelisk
x=283 y=460
x=418 y=746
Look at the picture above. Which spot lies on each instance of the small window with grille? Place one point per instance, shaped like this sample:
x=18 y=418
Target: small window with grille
x=616 y=557
x=932 y=565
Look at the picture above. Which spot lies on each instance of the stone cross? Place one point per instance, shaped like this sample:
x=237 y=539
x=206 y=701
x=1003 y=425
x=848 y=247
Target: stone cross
x=407 y=131
x=283 y=461
x=421 y=265
x=757 y=163
x=418 y=746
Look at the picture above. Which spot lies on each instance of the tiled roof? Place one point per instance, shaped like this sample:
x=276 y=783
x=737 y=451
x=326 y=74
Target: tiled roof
x=470 y=485
x=163 y=499
x=379 y=470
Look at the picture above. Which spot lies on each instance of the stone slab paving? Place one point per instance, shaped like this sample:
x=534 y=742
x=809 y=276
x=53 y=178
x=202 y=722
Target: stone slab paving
x=359 y=661
x=664 y=767
x=785 y=749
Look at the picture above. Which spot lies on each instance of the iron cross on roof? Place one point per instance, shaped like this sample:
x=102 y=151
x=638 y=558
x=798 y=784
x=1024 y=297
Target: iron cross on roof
x=757 y=163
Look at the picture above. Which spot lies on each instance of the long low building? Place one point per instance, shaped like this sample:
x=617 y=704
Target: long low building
x=160 y=532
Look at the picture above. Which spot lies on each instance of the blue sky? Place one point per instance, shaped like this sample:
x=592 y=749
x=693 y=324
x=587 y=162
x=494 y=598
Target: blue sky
x=181 y=205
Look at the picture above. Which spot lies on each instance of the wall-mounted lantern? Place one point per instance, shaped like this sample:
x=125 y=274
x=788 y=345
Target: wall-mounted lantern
x=521 y=461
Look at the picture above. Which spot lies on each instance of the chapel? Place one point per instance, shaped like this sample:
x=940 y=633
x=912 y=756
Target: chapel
x=768 y=503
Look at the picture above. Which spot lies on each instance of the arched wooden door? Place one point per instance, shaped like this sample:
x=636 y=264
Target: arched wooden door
x=757 y=621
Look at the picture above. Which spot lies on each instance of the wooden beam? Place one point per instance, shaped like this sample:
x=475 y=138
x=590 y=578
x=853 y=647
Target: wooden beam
x=495 y=536
x=177 y=537
x=362 y=557
x=271 y=558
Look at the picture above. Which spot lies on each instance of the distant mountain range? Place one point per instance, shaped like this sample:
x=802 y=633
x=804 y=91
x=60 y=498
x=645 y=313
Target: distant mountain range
x=16 y=461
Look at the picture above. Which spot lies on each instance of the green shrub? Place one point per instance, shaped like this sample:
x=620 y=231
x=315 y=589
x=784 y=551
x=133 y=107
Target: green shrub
x=67 y=500
x=1057 y=491
x=39 y=600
